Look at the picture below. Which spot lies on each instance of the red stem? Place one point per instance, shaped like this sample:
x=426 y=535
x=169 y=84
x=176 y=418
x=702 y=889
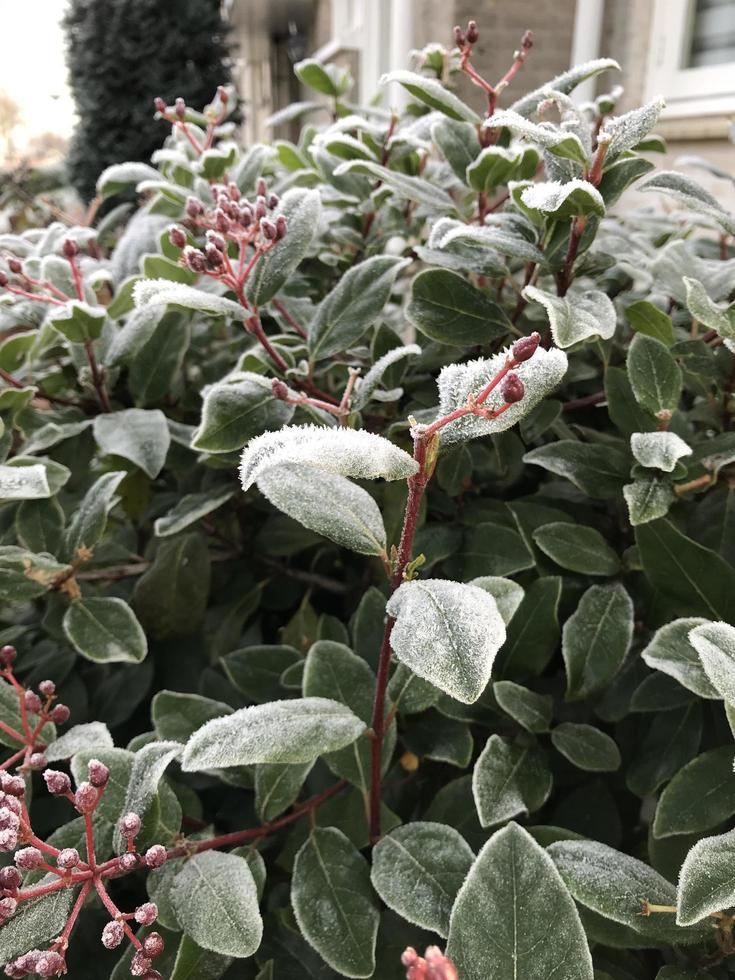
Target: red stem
x=62 y=942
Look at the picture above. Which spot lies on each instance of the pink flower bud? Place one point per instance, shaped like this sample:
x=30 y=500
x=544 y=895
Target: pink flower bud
x=129 y=825
x=7 y=907
x=194 y=259
x=279 y=389
x=214 y=238
x=245 y=216
x=270 y=232
x=140 y=964
x=146 y=914
x=68 y=858
x=38 y=761
x=159 y=103
x=60 y=714
x=177 y=237
x=13 y=786
x=221 y=221
x=112 y=935
x=98 y=773
x=473 y=32
x=273 y=201
x=28 y=858
x=180 y=108
x=214 y=257
x=234 y=191
x=525 y=348
x=86 y=798
x=8 y=653
x=527 y=41
x=261 y=188
x=281 y=226
x=49 y=964
x=459 y=36
x=153 y=945
x=32 y=702
x=128 y=861
x=70 y=248
x=57 y=783
x=47 y=688
x=15 y=266
x=3 y=283
x=223 y=96
x=512 y=388
x=156 y=856
x=10 y=879
x=194 y=207
x=8 y=839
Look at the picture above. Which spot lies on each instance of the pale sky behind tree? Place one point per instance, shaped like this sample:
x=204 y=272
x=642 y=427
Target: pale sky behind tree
x=32 y=67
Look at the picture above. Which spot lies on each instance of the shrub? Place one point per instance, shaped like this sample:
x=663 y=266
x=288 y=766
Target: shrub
x=376 y=535
x=121 y=53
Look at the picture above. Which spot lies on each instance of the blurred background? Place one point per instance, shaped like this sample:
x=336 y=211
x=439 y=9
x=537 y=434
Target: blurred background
x=77 y=77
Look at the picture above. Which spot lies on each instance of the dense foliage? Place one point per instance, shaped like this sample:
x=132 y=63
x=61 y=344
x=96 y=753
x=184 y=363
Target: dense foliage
x=367 y=503
x=122 y=52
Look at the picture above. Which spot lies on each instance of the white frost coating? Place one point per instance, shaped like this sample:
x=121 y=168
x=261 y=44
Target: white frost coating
x=326 y=503
x=671 y=652
x=551 y=196
x=709 y=313
x=448 y=633
x=24 y=482
x=658 y=450
x=544 y=134
x=347 y=452
x=507 y=593
x=164 y=291
x=365 y=387
x=691 y=194
x=418 y=869
x=491 y=237
x=540 y=375
x=432 y=93
x=279 y=731
x=149 y=765
x=92 y=735
x=576 y=316
x=566 y=82
x=715 y=644
x=706 y=882
x=647 y=500
x=629 y=129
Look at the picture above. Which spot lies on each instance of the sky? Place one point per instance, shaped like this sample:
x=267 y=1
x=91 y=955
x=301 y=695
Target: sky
x=32 y=68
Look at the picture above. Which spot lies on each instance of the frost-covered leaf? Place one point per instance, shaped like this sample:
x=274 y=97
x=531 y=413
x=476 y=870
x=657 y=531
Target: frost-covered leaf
x=691 y=194
x=235 y=412
x=36 y=923
x=136 y=434
x=334 y=903
x=580 y=549
x=648 y=499
x=149 y=765
x=447 y=308
x=510 y=779
x=597 y=470
x=626 y=131
x=532 y=711
x=614 y=885
x=353 y=305
x=403 y=186
x=699 y=797
x=576 y=197
x=24 y=482
x=671 y=652
x=649 y=319
x=176 y=716
x=190 y=509
x=329 y=79
x=105 y=629
x=706 y=882
x=707 y=312
x=654 y=374
x=121 y=176
x=91 y=735
x=365 y=387
x=658 y=450
x=433 y=94
x=418 y=869
x=448 y=633
x=216 y=903
x=577 y=316
x=564 y=83
x=514 y=917
x=540 y=375
x=346 y=452
x=558 y=141
x=715 y=644
x=490 y=237
x=79 y=322
x=163 y=292
x=596 y=639
x=277 y=787
x=586 y=747
x=279 y=731
x=508 y=594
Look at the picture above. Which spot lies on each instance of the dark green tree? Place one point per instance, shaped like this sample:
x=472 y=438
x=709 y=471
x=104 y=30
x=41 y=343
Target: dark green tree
x=123 y=53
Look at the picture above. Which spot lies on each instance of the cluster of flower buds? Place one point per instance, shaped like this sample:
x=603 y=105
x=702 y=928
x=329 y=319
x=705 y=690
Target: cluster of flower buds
x=512 y=388
x=232 y=219
x=433 y=965
x=12 y=789
x=40 y=962
x=467 y=37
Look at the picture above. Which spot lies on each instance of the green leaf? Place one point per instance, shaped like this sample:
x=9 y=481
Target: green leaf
x=322 y=78
x=24 y=482
x=280 y=731
x=532 y=711
x=446 y=308
x=648 y=499
x=104 y=629
x=158 y=364
x=515 y=918
x=448 y=633
x=492 y=550
x=458 y=142
x=434 y=736
x=194 y=963
x=654 y=374
x=149 y=765
x=418 y=869
x=706 y=883
x=681 y=569
x=708 y=313
x=256 y=670
x=494 y=166
x=715 y=644
x=559 y=142
x=699 y=797
x=190 y=509
x=533 y=632
x=176 y=716
x=510 y=779
x=79 y=322
x=671 y=741
x=576 y=317
x=171 y=597
x=353 y=305
x=586 y=747
x=302 y=210
x=597 y=470
x=334 y=903
x=216 y=902
x=648 y=319
x=92 y=735
x=614 y=885
x=433 y=94
x=163 y=292
x=691 y=194
x=36 y=923
x=508 y=594
x=39 y=525
x=658 y=450
x=277 y=787
x=627 y=131
x=121 y=176
x=136 y=434
x=235 y=412
x=671 y=652
x=328 y=504
x=580 y=549
x=596 y=639
x=403 y=186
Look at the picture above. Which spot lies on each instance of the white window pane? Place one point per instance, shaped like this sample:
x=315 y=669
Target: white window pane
x=712 y=36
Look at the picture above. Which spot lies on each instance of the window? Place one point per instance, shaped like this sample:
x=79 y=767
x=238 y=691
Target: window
x=693 y=56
